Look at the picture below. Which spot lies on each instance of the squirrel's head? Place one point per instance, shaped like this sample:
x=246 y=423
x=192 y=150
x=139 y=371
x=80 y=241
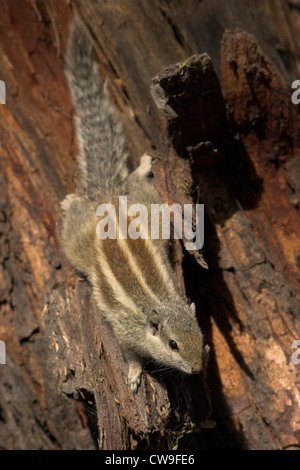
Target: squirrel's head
x=176 y=339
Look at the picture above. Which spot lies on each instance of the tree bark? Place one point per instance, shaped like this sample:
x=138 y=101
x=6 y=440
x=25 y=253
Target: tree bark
x=228 y=138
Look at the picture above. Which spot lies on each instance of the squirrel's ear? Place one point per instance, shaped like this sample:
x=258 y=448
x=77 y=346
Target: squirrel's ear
x=154 y=322
x=193 y=309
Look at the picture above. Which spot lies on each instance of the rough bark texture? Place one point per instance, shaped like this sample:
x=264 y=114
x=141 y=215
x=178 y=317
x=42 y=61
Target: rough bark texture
x=228 y=138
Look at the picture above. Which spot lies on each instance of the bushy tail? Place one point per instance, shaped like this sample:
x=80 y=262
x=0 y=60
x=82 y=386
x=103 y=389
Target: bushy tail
x=102 y=148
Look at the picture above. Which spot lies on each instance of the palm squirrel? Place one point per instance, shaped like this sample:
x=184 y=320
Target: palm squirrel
x=132 y=279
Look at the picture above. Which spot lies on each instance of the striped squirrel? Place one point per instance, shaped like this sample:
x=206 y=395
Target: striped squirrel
x=132 y=280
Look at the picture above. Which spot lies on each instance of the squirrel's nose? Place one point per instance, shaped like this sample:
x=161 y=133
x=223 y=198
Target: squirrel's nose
x=196 y=368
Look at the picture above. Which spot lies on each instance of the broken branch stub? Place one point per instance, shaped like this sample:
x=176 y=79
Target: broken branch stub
x=188 y=95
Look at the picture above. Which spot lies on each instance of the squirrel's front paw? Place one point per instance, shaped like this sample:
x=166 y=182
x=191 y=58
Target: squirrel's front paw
x=145 y=167
x=134 y=375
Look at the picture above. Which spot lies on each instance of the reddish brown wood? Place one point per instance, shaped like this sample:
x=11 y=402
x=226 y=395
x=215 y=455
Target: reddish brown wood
x=64 y=384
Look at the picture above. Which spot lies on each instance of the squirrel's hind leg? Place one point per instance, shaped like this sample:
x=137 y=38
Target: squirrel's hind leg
x=78 y=232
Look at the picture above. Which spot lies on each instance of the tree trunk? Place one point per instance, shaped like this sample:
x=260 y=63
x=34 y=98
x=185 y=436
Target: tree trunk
x=228 y=137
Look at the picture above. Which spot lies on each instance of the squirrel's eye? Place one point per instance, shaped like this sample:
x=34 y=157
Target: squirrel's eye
x=173 y=345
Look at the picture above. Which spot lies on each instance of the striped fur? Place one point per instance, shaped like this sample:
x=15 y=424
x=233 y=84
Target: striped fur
x=132 y=280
